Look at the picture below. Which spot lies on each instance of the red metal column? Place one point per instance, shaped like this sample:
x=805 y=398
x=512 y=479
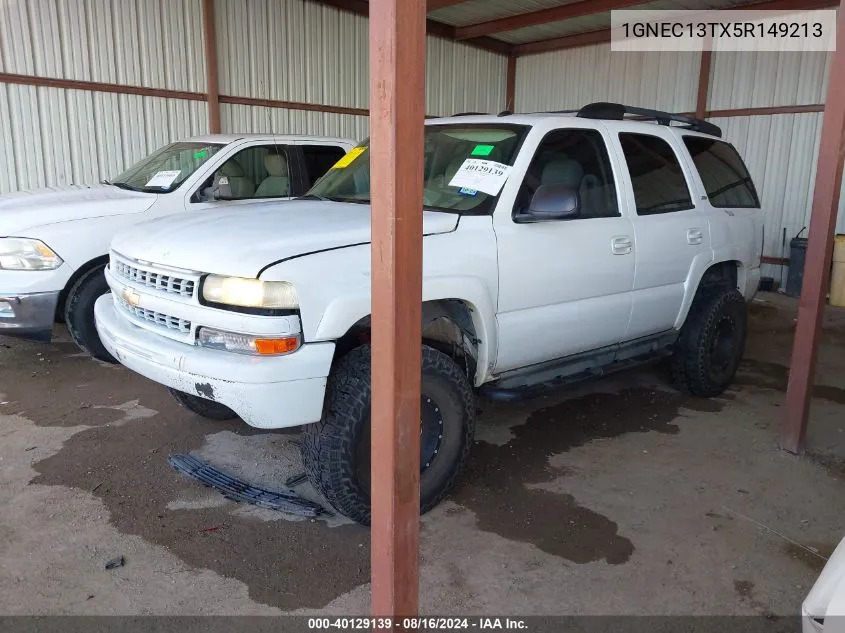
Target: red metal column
x=397 y=114
x=211 y=71
x=819 y=250
x=510 y=85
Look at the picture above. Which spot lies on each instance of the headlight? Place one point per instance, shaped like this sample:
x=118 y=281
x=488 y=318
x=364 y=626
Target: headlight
x=250 y=293
x=20 y=253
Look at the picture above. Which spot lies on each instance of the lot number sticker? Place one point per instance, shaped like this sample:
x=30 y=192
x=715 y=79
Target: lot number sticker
x=163 y=179
x=481 y=175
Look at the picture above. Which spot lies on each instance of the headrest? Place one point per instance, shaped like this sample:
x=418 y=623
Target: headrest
x=232 y=169
x=564 y=171
x=276 y=164
x=452 y=169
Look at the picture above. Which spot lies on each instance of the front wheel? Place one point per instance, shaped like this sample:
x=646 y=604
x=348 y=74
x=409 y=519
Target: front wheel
x=711 y=343
x=336 y=450
x=79 y=313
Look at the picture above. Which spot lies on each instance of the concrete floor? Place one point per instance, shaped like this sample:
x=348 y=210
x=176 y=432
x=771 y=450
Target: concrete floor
x=623 y=497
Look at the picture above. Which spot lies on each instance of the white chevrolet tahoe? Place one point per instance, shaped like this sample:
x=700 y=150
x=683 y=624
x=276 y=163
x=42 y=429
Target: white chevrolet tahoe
x=556 y=247
x=54 y=242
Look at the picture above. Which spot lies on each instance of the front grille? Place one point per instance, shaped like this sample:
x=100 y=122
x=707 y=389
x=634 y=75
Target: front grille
x=176 y=324
x=158 y=281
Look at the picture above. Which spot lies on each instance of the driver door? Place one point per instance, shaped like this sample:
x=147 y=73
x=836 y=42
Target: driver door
x=565 y=286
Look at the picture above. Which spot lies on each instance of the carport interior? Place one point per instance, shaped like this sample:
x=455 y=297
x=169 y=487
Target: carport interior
x=395 y=107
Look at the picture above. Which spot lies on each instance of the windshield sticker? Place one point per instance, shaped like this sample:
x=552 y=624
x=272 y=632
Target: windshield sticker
x=486 y=176
x=163 y=179
x=347 y=159
x=200 y=155
x=468 y=192
x=482 y=150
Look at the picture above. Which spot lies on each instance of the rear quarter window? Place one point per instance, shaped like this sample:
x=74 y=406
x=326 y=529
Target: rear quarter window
x=726 y=179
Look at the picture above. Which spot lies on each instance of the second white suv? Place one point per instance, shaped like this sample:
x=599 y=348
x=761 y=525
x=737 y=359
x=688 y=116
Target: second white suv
x=557 y=247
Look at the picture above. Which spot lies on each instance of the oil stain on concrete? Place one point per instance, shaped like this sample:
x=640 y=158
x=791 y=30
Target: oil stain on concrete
x=495 y=484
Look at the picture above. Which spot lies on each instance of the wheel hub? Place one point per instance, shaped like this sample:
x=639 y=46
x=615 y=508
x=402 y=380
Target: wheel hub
x=431 y=431
x=722 y=348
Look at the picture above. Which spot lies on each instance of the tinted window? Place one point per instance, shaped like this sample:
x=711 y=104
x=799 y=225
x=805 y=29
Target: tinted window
x=577 y=159
x=723 y=173
x=659 y=183
x=318 y=160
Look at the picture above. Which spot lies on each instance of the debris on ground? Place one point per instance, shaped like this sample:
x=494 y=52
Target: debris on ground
x=117 y=561
x=240 y=491
x=295 y=480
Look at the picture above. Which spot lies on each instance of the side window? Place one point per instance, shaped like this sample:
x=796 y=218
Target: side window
x=318 y=160
x=723 y=173
x=659 y=183
x=577 y=159
x=261 y=171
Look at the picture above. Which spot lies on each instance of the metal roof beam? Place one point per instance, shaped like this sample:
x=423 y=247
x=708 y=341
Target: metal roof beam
x=433 y=27
x=544 y=16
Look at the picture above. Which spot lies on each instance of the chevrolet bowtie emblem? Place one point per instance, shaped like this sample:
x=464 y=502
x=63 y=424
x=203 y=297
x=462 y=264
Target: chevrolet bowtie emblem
x=131 y=297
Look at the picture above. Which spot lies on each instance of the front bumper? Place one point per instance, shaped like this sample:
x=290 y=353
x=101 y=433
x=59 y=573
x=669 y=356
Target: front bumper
x=266 y=392
x=28 y=315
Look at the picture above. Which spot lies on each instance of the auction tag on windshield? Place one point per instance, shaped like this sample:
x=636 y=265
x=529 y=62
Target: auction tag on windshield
x=487 y=176
x=163 y=179
x=347 y=159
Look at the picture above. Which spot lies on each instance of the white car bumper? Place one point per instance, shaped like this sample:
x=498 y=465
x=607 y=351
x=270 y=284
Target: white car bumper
x=266 y=392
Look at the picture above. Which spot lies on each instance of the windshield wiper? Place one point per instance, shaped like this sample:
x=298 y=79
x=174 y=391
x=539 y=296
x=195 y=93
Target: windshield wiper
x=121 y=185
x=312 y=196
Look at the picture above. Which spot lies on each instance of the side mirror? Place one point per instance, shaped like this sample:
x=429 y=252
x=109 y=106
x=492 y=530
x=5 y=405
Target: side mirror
x=551 y=202
x=220 y=190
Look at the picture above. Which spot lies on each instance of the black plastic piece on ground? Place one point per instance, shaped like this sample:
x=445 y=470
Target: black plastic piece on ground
x=118 y=561
x=290 y=482
x=240 y=491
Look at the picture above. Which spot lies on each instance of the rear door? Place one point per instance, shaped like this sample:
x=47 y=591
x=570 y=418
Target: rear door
x=736 y=219
x=671 y=229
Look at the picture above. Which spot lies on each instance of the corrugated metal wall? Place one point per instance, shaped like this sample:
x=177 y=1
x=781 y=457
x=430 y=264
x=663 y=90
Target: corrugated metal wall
x=150 y=43
x=288 y=50
x=293 y=50
x=571 y=78
x=258 y=119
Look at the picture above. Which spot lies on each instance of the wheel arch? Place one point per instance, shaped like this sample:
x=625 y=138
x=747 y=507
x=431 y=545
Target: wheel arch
x=78 y=274
x=455 y=327
x=729 y=273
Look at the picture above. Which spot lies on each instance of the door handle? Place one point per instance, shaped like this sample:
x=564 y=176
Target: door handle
x=695 y=236
x=621 y=245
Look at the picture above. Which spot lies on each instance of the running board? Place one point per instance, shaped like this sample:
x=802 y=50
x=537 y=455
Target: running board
x=532 y=381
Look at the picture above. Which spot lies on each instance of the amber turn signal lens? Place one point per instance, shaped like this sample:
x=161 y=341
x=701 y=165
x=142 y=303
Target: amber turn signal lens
x=271 y=346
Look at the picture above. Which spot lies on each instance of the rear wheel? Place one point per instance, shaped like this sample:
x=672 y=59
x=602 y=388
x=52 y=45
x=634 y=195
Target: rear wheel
x=336 y=450
x=202 y=407
x=711 y=343
x=79 y=313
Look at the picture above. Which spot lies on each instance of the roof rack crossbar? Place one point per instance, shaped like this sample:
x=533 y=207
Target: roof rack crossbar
x=617 y=112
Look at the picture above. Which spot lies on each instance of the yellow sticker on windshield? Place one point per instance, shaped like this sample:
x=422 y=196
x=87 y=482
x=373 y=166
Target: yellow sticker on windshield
x=347 y=159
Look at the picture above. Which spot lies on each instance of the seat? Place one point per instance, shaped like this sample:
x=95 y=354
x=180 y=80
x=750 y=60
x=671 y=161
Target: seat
x=277 y=184
x=239 y=184
x=563 y=171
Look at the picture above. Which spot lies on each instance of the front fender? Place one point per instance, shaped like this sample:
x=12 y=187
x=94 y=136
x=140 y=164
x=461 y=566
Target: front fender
x=345 y=311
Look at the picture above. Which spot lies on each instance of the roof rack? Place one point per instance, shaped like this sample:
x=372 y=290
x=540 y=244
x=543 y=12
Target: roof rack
x=617 y=112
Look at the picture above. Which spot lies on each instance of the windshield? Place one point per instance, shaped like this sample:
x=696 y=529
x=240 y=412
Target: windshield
x=166 y=169
x=447 y=150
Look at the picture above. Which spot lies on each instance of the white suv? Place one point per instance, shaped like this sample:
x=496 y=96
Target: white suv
x=54 y=242
x=557 y=247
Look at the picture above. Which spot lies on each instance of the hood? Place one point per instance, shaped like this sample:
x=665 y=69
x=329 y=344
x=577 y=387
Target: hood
x=241 y=241
x=28 y=209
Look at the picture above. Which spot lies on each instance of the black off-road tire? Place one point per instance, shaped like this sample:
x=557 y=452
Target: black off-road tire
x=706 y=359
x=79 y=313
x=332 y=448
x=203 y=407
